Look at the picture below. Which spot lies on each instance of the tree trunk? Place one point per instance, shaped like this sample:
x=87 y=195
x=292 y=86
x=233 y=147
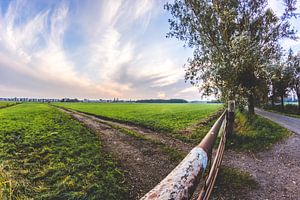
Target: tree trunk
x=273 y=101
x=273 y=98
x=282 y=103
x=251 y=104
x=298 y=96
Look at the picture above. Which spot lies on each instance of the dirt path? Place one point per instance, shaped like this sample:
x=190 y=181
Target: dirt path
x=146 y=164
x=277 y=171
x=149 y=134
x=293 y=124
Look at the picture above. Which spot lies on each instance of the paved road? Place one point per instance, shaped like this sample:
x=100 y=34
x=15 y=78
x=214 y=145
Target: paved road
x=293 y=124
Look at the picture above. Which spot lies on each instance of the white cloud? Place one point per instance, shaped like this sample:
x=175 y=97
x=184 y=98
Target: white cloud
x=188 y=90
x=110 y=11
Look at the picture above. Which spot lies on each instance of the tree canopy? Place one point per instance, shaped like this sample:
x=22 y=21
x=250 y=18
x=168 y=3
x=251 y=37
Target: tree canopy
x=293 y=69
x=233 y=40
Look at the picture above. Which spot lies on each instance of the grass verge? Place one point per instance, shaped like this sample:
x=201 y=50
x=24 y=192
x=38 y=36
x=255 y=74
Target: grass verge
x=290 y=110
x=232 y=183
x=255 y=134
x=284 y=113
x=45 y=154
x=196 y=132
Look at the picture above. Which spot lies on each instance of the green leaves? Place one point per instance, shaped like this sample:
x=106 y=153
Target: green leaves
x=233 y=42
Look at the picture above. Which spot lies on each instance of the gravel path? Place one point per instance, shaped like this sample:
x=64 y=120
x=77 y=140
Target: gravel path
x=293 y=124
x=277 y=170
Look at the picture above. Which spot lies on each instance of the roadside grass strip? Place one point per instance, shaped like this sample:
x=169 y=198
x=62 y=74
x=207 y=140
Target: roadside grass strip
x=256 y=134
x=290 y=110
x=45 y=154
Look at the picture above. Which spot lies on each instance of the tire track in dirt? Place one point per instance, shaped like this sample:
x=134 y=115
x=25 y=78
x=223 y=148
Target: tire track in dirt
x=149 y=134
x=145 y=163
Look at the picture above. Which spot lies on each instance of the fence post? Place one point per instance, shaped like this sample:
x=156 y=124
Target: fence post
x=231 y=108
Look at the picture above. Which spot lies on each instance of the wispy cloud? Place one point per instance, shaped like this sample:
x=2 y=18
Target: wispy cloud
x=35 y=48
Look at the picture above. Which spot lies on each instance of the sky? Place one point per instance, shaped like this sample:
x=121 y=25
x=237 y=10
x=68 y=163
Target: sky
x=94 y=49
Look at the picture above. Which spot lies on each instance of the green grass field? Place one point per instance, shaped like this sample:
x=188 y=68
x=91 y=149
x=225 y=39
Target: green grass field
x=4 y=104
x=45 y=154
x=159 y=117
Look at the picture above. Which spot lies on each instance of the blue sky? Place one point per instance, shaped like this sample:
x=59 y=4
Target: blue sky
x=94 y=49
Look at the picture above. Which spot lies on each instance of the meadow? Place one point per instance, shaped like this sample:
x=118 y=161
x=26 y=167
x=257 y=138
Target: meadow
x=4 y=104
x=255 y=134
x=170 y=117
x=45 y=154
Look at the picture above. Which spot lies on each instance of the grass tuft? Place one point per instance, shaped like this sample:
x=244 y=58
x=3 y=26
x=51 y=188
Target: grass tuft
x=6 y=189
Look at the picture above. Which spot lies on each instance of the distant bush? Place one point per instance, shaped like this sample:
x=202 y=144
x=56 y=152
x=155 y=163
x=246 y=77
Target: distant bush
x=288 y=109
x=69 y=100
x=162 y=101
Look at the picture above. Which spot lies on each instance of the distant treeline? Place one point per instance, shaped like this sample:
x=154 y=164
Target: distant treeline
x=69 y=100
x=162 y=101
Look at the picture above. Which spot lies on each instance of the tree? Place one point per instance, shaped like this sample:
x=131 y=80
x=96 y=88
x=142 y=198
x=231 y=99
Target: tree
x=233 y=42
x=280 y=82
x=293 y=68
